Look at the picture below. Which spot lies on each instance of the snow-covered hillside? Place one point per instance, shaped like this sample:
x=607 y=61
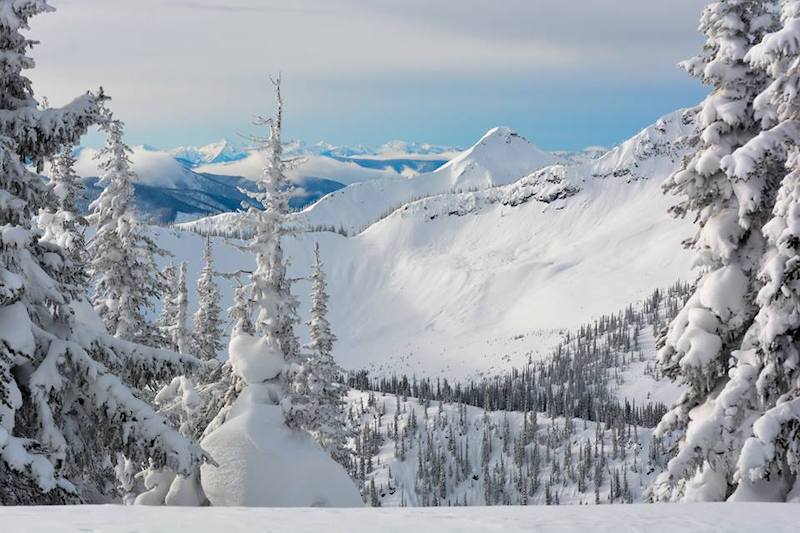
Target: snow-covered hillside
x=461 y=283
x=574 y=427
x=500 y=157
x=643 y=156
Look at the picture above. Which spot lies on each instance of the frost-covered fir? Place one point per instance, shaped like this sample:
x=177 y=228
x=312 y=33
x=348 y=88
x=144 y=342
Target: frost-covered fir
x=127 y=281
x=60 y=222
x=64 y=416
x=208 y=325
x=168 y=312
x=180 y=332
x=317 y=392
x=731 y=200
x=263 y=461
x=765 y=383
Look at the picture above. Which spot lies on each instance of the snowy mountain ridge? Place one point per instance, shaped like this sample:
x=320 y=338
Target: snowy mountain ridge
x=643 y=155
x=222 y=151
x=500 y=157
x=479 y=261
x=501 y=167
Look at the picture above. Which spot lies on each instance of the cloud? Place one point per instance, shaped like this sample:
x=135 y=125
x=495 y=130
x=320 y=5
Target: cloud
x=228 y=8
x=202 y=64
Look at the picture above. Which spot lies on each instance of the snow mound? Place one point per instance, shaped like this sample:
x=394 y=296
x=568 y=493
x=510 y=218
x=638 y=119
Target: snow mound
x=255 y=359
x=265 y=464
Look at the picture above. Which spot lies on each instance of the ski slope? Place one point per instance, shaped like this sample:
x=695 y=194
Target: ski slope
x=665 y=518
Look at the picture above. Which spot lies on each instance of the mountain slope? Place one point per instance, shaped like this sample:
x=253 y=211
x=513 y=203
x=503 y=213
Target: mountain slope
x=458 y=284
x=500 y=157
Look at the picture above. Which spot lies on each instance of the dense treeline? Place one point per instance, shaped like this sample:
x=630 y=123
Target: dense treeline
x=576 y=380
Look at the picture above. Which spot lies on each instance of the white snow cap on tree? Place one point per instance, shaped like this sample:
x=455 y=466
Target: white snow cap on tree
x=123 y=265
x=63 y=413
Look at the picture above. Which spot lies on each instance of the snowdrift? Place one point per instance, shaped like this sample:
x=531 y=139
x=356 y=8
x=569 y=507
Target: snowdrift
x=265 y=464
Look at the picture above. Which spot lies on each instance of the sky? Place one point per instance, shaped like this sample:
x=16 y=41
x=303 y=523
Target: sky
x=566 y=74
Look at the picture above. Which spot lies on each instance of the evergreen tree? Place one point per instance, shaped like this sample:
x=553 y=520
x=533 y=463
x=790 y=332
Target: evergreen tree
x=60 y=222
x=123 y=256
x=276 y=307
x=63 y=414
x=180 y=333
x=207 y=320
x=316 y=404
x=168 y=313
x=764 y=390
x=321 y=337
x=730 y=208
x=263 y=350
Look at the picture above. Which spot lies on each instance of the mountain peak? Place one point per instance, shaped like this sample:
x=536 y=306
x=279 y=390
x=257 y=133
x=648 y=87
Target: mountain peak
x=221 y=151
x=499 y=157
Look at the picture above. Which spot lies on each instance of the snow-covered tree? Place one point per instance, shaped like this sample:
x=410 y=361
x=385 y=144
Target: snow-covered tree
x=730 y=206
x=763 y=394
x=122 y=253
x=181 y=335
x=316 y=404
x=268 y=292
x=251 y=434
x=60 y=222
x=276 y=307
x=208 y=329
x=166 y=317
x=321 y=337
x=63 y=414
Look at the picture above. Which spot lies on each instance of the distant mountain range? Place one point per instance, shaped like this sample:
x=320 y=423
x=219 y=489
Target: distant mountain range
x=189 y=182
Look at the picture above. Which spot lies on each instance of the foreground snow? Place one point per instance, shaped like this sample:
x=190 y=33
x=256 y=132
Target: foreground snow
x=688 y=518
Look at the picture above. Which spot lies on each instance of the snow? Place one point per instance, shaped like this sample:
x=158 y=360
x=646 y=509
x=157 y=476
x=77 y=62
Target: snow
x=264 y=463
x=666 y=518
x=642 y=156
x=457 y=284
x=500 y=157
x=255 y=359
x=221 y=151
x=15 y=329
